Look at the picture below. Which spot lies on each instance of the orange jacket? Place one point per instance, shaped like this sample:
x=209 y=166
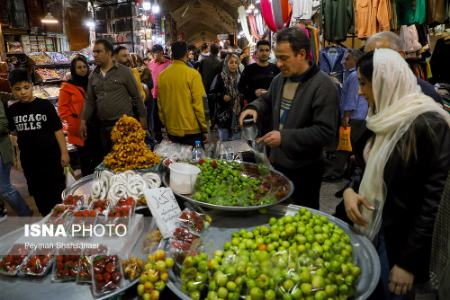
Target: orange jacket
x=372 y=16
x=70 y=105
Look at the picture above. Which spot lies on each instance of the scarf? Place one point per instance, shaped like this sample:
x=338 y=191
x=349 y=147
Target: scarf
x=398 y=102
x=230 y=82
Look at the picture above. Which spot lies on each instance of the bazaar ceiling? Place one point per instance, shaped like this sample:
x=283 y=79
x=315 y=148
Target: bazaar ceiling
x=202 y=20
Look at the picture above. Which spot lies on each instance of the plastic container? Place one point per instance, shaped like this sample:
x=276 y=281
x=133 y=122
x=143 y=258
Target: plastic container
x=183 y=177
x=106 y=274
x=249 y=130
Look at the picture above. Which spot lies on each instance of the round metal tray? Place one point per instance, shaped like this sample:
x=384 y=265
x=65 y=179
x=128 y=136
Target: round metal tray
x=189 y=198
x=82 y=187
x=224 y=224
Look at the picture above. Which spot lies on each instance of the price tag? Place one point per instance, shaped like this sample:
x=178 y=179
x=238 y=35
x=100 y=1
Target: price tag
x=164 y=208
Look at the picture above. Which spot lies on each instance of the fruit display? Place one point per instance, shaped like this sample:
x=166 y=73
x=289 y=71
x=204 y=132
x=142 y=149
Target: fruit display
x=123 y=185
x=185 y=239
x=229 y=183
x=194 y=221
x=107 y=274
x=66 y=265
x=85 y=263
x=297 y=257
x=74 y=200
x=38 y=264
x=155 y=276
x=100 y=205
x=129 y=151
x=9 y=264
x=132 y=267
x=151 y=241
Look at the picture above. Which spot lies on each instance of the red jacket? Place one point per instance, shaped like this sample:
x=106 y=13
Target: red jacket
x=70 y=105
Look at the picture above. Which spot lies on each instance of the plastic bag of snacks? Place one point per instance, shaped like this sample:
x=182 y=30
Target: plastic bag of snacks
x=152 y=239
x=85 y=263
x=132 y=267
x=10 y=263
x=106 y=274
x=59 y=214
x=67 y=264
x=194 y=221
x=74 y=200
x=83 y=218
x=38 y=263
x=100 y=205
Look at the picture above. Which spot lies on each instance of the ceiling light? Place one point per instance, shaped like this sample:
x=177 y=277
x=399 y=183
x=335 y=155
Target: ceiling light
x=49 y=19
x=156 y=9
x=89 y=23
x=146 y=5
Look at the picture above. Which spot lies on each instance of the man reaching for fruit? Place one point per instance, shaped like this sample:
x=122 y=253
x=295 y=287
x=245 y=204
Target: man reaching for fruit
x=303 y=104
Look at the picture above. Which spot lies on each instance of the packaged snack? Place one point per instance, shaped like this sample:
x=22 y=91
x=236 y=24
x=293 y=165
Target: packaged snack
x=9 y=264
x=120 y=215
x=85 y=263
x=132 y=267
x=151 y=241
x=128 y=202
x=106 y=274
x=100 y=205
x=74 y=200
x=184 y=234
x=66 y=265
x=38 y=264
x=194 y=220
x=85 y=218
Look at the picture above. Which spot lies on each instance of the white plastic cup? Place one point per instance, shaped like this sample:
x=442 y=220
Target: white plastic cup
x=183 y=177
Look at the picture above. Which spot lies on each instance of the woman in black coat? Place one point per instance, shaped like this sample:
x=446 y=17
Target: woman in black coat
x=403 y=160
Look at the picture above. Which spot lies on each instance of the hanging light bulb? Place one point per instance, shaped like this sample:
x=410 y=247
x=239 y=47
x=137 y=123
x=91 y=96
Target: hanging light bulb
x=49 y=19
x=147 y=5
x=155 y=8
x=89 y=23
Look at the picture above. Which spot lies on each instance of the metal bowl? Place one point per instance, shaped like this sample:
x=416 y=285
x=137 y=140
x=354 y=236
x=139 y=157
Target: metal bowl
x=190 y=198
x=223 y=225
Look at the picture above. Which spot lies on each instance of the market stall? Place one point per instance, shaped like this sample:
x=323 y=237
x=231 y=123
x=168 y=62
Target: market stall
x=198 y=253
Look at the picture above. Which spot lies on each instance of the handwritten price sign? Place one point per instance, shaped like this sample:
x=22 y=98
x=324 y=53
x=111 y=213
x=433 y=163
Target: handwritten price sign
x=164 y=208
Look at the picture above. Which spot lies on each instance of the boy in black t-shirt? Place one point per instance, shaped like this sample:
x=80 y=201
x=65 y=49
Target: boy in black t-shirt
x=43 y=151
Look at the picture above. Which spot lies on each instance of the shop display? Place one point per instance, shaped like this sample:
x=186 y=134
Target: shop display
x=47 y=74
x=10 y=263
x=67 y=265
x=123 y=185
x=38 y=264
x=151 y=241
x=132 y=267
x=107 y=274
x=222 y=183
x=129 y=151
x=85 y=264
x=295 y=256
x=40 y=58
x=153 y=280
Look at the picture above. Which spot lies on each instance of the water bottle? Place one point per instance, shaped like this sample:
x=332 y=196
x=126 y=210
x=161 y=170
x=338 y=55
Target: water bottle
x=197 y=152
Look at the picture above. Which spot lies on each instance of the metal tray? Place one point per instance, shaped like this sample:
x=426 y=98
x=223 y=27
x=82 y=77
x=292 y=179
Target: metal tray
x=82 y=187
x=189 y=198
x=21 y=287
x=225 y=223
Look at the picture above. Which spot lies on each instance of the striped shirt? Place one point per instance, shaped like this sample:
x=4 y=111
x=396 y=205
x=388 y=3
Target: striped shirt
x=289 y=89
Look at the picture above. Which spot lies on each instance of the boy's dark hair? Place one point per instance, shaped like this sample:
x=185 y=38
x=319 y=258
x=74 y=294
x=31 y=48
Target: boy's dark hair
x=262 y=43
x=365 y=65
x=296 y=38
x=19 y=75
x=157 y=48
x=204 y=46
x=118 y=49
x=179 y=49
x=214 y=49
x=106 y=44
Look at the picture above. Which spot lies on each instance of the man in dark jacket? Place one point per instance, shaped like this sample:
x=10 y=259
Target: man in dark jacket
x=387 y=39
x=304 y=104
x=209 y=68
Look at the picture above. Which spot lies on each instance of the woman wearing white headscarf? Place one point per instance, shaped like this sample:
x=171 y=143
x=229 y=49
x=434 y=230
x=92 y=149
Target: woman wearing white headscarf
x=404 y=158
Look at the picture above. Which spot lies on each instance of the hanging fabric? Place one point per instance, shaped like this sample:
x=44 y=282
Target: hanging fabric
x=372 y=16
x=276 y=13
x=411 y=11
x=302 y=9
x=436 y=11
x=409 y=38
x=253 y=28
x=244 y=25
x=337 y=19
x=260 y=24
